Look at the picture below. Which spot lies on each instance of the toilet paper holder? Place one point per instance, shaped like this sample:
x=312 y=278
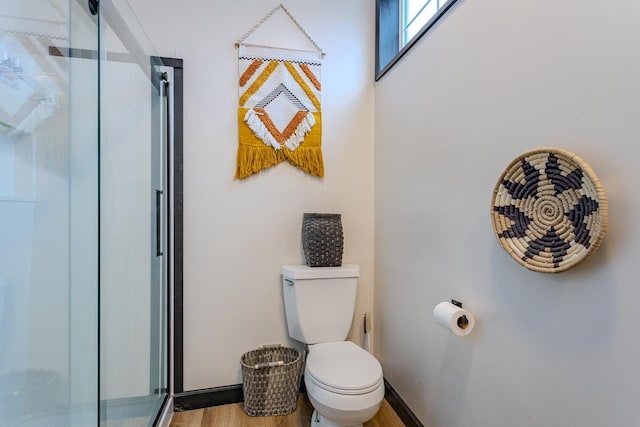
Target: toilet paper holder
x=462 y=322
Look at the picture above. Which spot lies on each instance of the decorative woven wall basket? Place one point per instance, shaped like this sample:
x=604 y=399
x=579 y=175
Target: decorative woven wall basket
x=322 y=239
x=549 y=210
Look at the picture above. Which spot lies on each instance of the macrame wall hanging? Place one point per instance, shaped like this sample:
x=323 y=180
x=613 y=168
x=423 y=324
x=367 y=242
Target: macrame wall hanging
x=279 y=111
x=549 y=210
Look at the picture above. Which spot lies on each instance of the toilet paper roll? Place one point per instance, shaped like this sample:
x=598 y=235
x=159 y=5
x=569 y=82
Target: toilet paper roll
x=456 y=319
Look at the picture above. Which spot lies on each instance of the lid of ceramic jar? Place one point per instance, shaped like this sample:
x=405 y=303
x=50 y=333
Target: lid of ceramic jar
x=343 y=367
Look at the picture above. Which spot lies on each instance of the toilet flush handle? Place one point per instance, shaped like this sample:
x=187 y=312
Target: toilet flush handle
x=289 y=282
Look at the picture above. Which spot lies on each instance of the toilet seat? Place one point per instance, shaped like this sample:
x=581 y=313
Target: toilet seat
x=343 y=391
x=343 y=368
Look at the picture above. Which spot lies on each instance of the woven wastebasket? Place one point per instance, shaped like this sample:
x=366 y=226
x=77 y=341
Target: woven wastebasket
x=271 y=380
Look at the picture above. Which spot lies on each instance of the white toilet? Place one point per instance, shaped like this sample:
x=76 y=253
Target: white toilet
x=344 y=382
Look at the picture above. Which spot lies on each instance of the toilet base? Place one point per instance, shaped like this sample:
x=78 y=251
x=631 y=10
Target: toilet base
x=318 y=420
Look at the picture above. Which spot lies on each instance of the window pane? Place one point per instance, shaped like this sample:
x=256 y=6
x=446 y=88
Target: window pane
x=400 y=23
x=412 y=7
x=412 y=28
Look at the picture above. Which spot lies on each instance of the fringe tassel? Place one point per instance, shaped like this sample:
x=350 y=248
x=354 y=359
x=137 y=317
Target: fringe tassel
x=301 y=131
x=309 y=159
x=259 y=129
x=252 y=159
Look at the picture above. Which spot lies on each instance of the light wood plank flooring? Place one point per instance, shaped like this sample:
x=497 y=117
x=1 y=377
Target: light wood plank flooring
x=233 y=416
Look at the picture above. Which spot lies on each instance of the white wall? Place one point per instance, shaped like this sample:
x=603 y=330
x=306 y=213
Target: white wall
x=239 y=233
x=491 y=80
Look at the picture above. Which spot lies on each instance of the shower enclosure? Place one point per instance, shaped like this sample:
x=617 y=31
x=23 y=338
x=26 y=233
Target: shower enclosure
x=85 y=219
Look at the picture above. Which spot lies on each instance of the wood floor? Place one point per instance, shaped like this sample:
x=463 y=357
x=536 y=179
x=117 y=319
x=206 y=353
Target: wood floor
x=233 y=416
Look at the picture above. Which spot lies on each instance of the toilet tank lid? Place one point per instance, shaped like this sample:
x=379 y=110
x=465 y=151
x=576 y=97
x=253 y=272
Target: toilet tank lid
x=306 y=272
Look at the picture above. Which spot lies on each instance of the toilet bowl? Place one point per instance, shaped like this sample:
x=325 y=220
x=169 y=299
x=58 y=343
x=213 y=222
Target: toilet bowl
x=344 y=384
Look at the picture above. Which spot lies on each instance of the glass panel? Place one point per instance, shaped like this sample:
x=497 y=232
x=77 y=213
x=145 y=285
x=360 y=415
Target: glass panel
x=48 y=215
x=412 y=7
x=54 y=203
x=132 y=198
x=417 y=15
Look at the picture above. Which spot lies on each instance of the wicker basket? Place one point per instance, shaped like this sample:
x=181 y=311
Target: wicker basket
x=549 y=210
x=322 y=239
x=271 y=380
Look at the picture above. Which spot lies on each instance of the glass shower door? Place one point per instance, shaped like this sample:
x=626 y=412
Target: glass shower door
x=83 y=235
x=48 y=214
x=133 y=242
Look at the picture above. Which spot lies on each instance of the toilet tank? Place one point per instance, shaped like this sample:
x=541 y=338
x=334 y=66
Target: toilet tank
x=319 y=302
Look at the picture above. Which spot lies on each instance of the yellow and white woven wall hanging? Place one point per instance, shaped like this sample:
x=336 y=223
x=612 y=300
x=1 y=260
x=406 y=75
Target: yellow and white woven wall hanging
x=279 y=111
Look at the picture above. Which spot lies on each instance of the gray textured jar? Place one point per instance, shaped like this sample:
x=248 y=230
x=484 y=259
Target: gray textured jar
x=322 y=239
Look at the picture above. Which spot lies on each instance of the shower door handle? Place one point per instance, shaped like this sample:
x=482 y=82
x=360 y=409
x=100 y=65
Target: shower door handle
x=165 y=94
x=159 y=223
